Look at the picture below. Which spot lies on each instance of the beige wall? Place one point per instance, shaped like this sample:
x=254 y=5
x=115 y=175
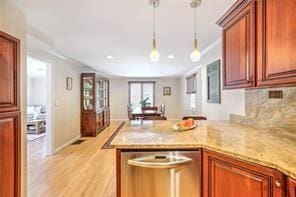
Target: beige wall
x=119 y=96
x=13 y=22
x=232 y=101
x=67 y=102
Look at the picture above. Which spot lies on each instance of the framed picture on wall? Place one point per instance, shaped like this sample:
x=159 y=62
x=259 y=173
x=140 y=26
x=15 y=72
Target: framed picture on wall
x=213 y=82
x=167 y=91
x=69 y=83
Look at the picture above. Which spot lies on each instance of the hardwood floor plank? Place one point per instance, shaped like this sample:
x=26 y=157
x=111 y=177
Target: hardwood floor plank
x=83 y=170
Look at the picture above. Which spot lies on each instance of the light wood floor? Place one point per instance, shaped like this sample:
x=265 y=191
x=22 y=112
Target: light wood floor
x=78 y=170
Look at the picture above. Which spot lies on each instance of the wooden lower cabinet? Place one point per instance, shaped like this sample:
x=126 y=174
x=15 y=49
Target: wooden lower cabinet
x=291 y=187
x=227 y=177
x=93 y=123
x=10 y=154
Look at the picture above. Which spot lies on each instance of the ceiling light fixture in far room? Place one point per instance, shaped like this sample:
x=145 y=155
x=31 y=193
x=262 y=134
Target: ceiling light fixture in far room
x=154 y=54
x=171 y=56
x=110 y=57
x=195 y=55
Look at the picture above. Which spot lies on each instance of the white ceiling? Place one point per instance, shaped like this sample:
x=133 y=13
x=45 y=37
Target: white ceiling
x=90 y=30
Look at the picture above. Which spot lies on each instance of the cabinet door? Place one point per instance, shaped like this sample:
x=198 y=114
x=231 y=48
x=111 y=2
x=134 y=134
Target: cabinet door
x=239 y=48
x=9 y=73
x=10 y=154
x=276 y=42
x=227 y=177
x=100 y=121
x=88 y=124
x=291 y=187
x=107 y=117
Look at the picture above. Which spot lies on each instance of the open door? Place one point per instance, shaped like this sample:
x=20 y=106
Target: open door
x=10 y=129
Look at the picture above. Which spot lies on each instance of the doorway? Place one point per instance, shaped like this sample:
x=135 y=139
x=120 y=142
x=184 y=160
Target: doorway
x=39 y=113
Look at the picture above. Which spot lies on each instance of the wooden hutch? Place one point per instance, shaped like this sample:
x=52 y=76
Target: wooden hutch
x=95 y=111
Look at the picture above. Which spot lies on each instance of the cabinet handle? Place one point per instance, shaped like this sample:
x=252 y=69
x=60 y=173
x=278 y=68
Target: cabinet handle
x=278 y=183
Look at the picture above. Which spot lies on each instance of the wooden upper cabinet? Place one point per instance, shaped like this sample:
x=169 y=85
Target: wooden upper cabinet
x=259 y=43
x=224 y=176
x=9 y=73
x=291 y=187
x=276 y=42
x=238 y=37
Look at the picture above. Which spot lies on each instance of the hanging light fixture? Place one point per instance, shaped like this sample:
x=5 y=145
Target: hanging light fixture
x=154 y=55
x=195 y=55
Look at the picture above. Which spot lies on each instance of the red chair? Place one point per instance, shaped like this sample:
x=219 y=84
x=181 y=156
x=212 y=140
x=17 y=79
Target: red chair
x=195 y=117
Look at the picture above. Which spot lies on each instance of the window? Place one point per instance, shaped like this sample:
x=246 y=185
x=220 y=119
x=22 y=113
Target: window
x=191 y=84
x=191 y=93
x=140 y=90
x=191 y=102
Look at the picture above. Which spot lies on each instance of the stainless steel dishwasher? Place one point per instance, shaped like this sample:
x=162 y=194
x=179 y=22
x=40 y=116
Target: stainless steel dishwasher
x=160 y=174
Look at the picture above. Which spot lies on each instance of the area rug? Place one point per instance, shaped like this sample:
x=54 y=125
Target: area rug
x=31 y=137
x=108 y=142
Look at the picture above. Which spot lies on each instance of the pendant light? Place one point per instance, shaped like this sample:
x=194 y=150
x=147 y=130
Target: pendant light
x=195 y=55
x=154 y=55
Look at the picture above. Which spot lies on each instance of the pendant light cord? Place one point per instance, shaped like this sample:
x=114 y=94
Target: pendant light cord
x=195 y=21
x=154 y=19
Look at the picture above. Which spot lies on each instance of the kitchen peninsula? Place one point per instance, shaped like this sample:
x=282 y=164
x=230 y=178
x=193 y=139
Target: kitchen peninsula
x=235 y=160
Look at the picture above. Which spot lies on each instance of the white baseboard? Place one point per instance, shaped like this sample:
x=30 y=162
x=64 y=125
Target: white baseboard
x=68 y=143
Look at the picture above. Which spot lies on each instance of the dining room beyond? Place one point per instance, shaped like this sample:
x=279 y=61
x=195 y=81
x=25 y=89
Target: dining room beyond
x=145 y=98
x=146 y=113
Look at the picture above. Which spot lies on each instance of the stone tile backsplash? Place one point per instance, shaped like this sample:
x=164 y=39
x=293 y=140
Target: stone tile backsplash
x=268 y=112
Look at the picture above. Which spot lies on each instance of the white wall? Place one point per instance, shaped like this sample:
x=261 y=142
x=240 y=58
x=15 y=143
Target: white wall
x=29 y=92
x=232 y=101
x=36 y=91
x=119 y=96
x=13 y=22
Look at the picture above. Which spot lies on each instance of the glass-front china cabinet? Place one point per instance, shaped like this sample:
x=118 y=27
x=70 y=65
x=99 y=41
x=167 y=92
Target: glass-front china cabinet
x=95 y=112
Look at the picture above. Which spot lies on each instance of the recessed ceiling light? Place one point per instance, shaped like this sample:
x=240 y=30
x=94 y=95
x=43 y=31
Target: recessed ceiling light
x=171 y=56
x=39 y=69
x=110 y=57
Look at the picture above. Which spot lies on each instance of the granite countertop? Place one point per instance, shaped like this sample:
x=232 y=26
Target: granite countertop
x=272 y=148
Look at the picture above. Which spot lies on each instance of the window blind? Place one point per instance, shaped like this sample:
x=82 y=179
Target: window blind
x=191 y=84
